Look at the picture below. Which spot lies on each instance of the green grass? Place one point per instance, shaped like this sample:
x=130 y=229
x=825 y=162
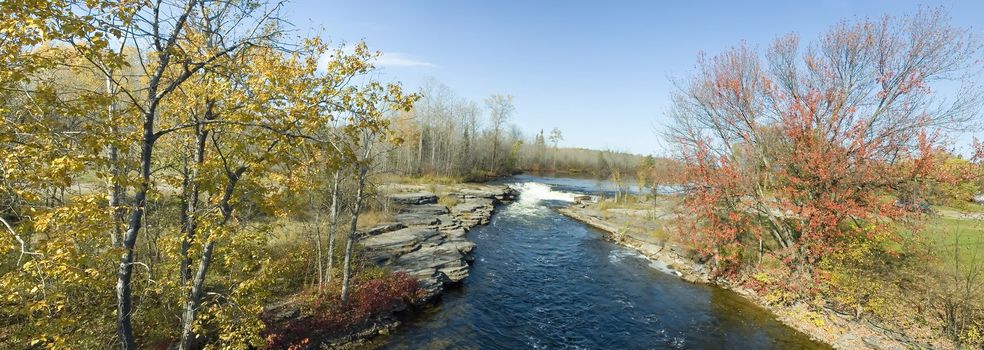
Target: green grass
x=945 y=232
x=974 y=208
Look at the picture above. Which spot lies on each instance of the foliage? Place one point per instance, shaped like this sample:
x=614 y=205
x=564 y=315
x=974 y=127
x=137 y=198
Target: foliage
x=812 y=170
x=144 y=177
x=784 y=150
x=373 y=296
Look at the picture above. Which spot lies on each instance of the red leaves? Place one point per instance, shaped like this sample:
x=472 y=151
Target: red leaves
x=381 y=295
x=375 y=297
x=792 y=160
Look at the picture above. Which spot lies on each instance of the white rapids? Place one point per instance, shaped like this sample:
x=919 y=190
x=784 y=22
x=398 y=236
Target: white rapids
x=534 y=193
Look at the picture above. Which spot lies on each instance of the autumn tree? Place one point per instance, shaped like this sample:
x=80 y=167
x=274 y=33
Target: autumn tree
x=365 y=128
x=799 y=145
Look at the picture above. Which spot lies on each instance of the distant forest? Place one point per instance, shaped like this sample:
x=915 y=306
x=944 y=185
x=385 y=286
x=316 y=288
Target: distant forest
x=447 y=135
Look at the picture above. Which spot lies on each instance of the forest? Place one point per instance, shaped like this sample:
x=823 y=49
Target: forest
x=449 y=136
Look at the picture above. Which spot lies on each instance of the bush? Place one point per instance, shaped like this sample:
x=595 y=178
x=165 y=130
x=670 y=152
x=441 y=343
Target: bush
x=373 y=297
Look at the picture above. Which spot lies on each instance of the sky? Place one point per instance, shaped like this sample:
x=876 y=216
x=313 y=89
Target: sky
x=601 y=71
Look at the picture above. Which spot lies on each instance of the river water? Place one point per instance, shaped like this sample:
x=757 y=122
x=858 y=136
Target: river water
x=543 y=281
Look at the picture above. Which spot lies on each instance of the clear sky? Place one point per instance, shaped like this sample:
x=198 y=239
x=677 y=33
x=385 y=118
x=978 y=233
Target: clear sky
x=600 y=71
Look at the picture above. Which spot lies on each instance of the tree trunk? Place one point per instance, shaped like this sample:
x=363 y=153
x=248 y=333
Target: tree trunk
x=495 y=148
x=333 y=224
x=353 y=223
x=433 y=163
x=115 y=190
x=420 y=151
x=124 y=299
x=193 y=195
x=195 y=299
x=195 y=295
x=317 y=243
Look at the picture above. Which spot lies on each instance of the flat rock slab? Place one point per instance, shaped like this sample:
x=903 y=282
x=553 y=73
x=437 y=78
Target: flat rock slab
x=412 y=198
x=436 y=258
x=384 y=227
x=425 y=209
x=471 y=193
x=427 y=240
x=488 y=192
x=386 y=246
x=472 y=205
x=415 y=219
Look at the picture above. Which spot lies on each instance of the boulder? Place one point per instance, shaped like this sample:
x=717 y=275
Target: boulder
x=471 y=205
x=281 y=312
x=467 y=193
x=463 y=245
x=473 y=212
x=583 y=199
x=495 y=192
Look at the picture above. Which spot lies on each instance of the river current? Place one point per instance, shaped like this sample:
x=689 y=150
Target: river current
x=543 y=281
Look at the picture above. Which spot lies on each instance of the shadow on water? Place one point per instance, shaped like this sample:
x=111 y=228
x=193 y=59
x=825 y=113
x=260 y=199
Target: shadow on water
x=544 y=281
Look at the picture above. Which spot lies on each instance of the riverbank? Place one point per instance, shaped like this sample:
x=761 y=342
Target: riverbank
x=426 y=240
x=633 y=228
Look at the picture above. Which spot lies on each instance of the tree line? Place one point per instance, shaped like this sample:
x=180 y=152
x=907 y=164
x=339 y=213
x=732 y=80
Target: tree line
x=451 y=136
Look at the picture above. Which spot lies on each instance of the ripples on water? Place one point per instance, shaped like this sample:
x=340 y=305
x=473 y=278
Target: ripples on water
x=543 y=281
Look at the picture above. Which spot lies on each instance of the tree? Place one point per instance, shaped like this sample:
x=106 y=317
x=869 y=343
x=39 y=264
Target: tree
x=555 y=138
x=500 y=110
x=803 y=146
x=365 y=127
x=174 y=62
x=202 y=124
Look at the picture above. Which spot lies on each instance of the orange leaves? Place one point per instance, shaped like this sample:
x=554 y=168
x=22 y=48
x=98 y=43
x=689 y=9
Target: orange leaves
x=820 y=142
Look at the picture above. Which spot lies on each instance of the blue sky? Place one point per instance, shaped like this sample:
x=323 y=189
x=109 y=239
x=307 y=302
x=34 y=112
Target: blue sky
x=601 y=71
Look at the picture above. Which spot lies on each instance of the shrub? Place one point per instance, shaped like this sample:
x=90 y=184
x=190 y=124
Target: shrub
x=373 y=297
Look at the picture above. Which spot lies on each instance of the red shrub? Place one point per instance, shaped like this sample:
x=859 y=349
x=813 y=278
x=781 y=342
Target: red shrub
x=376 y=297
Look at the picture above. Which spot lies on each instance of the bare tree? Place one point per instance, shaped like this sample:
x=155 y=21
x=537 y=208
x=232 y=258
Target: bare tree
x=500 y=110
x=555 y=138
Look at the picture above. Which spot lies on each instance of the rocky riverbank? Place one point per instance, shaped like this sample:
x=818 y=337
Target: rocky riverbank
x=426 y=239
x=632 y=228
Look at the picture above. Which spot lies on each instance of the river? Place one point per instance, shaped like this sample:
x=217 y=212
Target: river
x=543 y=281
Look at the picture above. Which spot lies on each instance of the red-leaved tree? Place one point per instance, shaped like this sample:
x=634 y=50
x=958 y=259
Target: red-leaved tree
x=791 y=150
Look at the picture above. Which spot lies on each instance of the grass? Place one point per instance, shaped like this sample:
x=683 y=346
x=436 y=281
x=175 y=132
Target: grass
x=448 y=201
x=425 y=180
x=967 y=232
x=962 y=226
x=628 y=202
x=974 y=208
